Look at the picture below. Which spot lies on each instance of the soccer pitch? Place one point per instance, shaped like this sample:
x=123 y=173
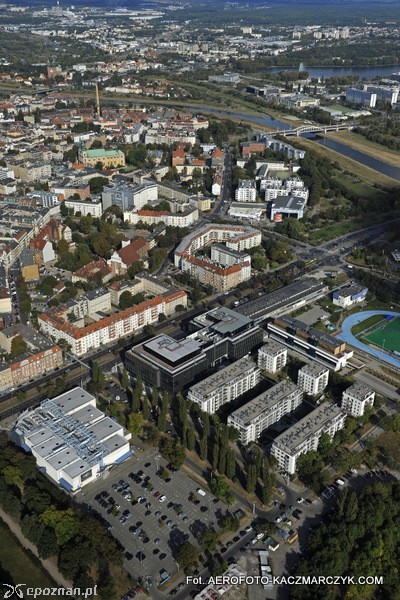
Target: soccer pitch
x=387 y=336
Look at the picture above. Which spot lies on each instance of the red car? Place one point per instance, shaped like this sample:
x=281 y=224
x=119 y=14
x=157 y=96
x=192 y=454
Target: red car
x=156 y=494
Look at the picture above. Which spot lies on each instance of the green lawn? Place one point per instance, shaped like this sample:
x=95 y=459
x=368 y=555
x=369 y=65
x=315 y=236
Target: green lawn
x=387 y=336
x=21 y=564
x=373 y=320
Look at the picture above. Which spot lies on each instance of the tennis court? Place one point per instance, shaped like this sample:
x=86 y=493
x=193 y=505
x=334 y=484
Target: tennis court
x=387 y=336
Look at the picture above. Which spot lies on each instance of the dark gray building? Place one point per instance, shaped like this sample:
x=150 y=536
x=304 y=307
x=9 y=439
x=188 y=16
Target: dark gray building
x=173 y=365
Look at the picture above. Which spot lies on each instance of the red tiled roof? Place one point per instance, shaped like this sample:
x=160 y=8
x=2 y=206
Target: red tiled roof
x=153 y=213
x=133 y=252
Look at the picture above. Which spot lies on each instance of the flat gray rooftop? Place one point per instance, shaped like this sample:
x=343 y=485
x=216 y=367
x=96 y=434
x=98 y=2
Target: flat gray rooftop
x=273 y=348
x=234 y=371
x=256 y=408
x=172 y=350
x=74 y=399
x=359 y=391
x=314 y=369
x=267 y=304
x=307 y=427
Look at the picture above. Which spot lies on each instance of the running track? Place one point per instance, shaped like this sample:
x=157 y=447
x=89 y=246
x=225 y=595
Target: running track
x=348 y=337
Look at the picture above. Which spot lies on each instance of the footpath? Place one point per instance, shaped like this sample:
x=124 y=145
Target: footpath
x=47 y=564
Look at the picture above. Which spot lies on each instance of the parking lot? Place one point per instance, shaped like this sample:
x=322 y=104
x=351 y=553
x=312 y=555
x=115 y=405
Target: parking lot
x=149 y=516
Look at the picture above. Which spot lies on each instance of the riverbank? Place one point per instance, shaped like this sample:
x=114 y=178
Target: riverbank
x=366 y=174
x=23 y=568
x=359 y=142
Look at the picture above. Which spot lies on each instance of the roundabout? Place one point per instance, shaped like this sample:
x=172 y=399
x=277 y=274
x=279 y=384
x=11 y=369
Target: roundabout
x=347 y=336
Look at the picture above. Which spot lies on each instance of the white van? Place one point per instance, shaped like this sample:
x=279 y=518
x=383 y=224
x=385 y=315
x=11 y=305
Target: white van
x=200 y=492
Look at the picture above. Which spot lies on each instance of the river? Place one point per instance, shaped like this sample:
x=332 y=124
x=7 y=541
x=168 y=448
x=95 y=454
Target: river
x=325 y=72
x=264 y=119
x=361 y=157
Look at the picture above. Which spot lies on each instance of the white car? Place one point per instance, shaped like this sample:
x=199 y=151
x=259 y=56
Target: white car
x=300 y=500
x=162 y=498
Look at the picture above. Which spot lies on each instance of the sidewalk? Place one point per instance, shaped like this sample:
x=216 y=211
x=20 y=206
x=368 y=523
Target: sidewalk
x=47 y=564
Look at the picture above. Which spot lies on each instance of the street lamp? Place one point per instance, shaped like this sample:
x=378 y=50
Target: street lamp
x=157 y=459
x=383 y=345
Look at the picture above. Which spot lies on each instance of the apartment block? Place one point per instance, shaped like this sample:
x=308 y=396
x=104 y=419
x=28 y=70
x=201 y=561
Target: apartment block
x=225 y=385
x=81 y=338
x=246 y=191
x=356 y=398
x=85 y=207
x=356 y=96
x=272 y=357
x=313 y=378
x=265 y=410
x=304 y=436
x=236 y=237
x=31 y=365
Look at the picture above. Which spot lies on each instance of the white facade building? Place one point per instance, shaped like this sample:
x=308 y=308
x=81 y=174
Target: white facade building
x=71 y=440
x=246 y=191
x=265 y=410
x=85 y=207
x=356 y=398
x=153 y=217
x=305 y=434
x=225 y=385
x=272 y=356
x=313 y=378
x=236 y=237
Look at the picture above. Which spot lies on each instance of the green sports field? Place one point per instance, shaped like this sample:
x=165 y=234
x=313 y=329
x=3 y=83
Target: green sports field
x=387 y=336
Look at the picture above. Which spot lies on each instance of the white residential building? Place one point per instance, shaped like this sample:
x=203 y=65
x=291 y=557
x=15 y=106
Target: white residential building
x=228 y=257
x=236 y=237
x=85 y=207
x=246 y=191
x=272 y=356
x=71 y=440
x=184 y=218
x=305 y=434
x=356 y=398
x=265 y=410
x=225 y=385
x=313 y=378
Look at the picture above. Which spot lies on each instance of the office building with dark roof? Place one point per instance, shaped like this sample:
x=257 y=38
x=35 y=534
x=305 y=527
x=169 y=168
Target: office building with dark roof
x=173 y=365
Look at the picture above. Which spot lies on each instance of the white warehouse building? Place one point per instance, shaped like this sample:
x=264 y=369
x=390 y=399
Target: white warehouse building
x=225 y=385
x=71 y=440
x=305 y=434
